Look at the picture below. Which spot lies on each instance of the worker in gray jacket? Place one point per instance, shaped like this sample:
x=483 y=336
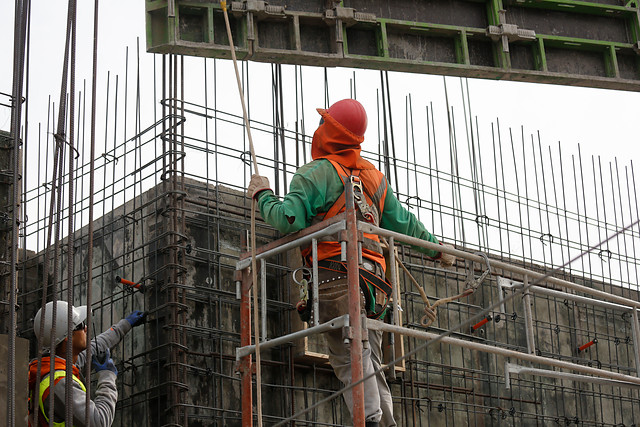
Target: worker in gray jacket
x=102 y=408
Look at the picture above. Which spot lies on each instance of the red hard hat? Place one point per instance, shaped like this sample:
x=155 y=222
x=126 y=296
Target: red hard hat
x=350 y=114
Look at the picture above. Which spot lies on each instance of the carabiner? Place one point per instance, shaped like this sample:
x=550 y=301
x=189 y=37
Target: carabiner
x=357 y=185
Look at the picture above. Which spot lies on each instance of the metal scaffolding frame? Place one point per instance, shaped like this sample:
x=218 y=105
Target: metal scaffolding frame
x=354 y=321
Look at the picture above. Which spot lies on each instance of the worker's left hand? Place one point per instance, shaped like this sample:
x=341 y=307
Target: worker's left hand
x=257 y=184
x=136 y=318
x=447 y=260
x=104 y=362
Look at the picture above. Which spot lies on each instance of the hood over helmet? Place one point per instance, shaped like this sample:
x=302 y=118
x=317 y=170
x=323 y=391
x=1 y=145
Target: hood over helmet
x=340 y=134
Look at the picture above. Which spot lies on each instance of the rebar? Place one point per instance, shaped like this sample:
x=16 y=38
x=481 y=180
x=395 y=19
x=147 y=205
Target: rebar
x=170 y=182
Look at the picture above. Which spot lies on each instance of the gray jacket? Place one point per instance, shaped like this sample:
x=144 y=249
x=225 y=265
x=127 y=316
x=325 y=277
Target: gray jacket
x=101 y=409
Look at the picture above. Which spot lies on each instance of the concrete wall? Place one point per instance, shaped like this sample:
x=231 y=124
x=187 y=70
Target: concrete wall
x=180 y=367
x=21 y=373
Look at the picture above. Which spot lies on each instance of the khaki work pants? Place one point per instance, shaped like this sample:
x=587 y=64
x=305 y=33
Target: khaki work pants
x=333 y=300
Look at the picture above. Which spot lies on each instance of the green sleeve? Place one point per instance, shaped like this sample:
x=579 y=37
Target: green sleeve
x=312 y=188
x=396 y=218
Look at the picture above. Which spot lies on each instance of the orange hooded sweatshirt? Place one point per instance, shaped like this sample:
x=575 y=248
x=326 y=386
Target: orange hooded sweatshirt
x=334 y=142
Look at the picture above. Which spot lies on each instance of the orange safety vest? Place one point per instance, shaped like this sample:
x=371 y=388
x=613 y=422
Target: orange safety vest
x=374 y=187
x=37 y=397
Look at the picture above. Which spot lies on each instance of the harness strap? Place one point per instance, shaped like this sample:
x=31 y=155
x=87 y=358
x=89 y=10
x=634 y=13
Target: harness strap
x=368 y=282
x=339 y=204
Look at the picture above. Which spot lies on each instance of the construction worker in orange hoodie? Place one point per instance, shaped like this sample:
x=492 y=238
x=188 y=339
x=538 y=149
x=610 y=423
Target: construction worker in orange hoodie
x=102 y=408
x=316 y=193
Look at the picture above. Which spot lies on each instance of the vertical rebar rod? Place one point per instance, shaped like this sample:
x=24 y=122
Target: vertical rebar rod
x=60 y=143
x=385 y=139
x=436 y=169
x=611 y=325
x=24 y=160
x=391 y=133
x=406 y=152
x=21 y=8
x=92 y=155
x=70 y=218
x=415 y=159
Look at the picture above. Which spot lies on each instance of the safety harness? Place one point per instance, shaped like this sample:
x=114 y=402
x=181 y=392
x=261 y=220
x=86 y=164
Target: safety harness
x=369 y=206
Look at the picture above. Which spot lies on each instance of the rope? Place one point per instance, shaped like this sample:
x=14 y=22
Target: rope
x=429 y=309
x=254 y=272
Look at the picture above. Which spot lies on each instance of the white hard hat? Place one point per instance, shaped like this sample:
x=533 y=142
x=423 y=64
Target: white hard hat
x=78 y=316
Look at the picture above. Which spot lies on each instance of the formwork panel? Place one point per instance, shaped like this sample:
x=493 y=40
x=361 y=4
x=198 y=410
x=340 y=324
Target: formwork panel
x=452 y=12
x=416 y=47
x=408 y=35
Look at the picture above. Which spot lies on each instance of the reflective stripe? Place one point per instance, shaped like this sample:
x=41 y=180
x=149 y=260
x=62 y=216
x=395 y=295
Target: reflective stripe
x=44 y=386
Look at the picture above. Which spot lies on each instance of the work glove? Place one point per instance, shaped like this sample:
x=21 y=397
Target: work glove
x=103 y=362
x=136 y=318
x=447 y=260
x=257 y=184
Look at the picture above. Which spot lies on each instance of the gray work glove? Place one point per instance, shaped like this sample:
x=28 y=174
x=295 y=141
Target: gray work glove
x=103 y=362
x=447 y=260
x=258 y=183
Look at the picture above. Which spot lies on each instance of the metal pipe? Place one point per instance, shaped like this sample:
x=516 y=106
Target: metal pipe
x=368 y=228
x=246 y=365
x=353 y=279
x=332 y=229
x=263 y=299
x=578 y=298
x=511 y=368
x=336 y=323
x=314 y=283
x=528 y=319
x=395 y=292
x=559 y=294
x=380 y=326
x=636 y=339
x=501 y=286
x=393 y=272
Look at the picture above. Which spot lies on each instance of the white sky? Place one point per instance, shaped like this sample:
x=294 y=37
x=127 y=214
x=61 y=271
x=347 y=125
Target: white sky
x=604 y=122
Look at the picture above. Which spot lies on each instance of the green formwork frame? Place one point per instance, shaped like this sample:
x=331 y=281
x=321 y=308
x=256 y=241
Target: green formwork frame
x=560 y=57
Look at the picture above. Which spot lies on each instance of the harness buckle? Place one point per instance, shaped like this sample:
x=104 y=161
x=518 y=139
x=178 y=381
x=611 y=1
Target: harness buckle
x=357 y=186
x=303 y=282
x=361 y=202
x=472 y=283
x=368 y=216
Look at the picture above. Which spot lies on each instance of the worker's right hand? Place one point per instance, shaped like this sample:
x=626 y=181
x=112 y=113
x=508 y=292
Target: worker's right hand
x=447 y=260
x=257 y=184
x=104 y=363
